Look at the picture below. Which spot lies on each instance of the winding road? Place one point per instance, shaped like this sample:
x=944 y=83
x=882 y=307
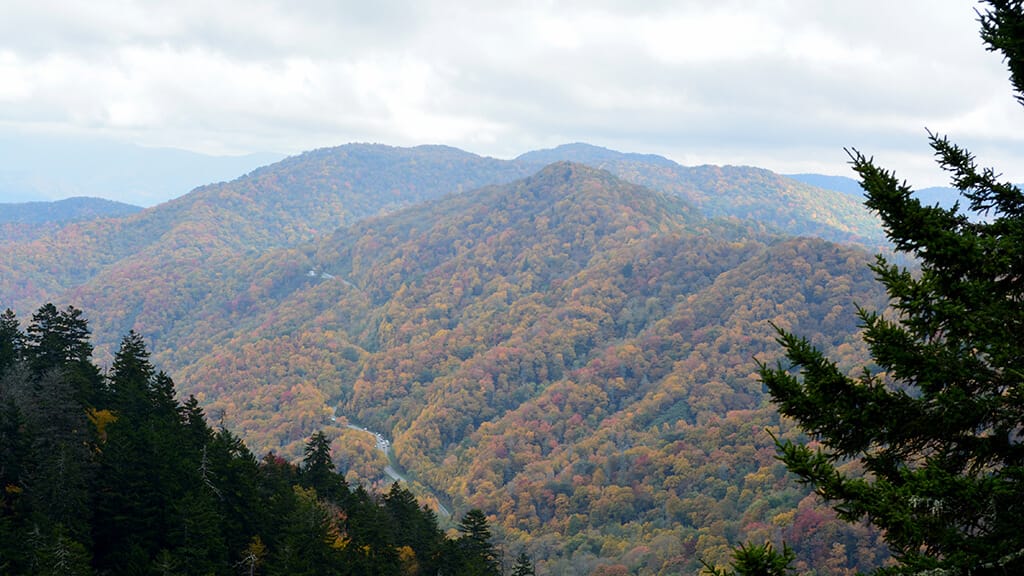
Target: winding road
x=384 y=445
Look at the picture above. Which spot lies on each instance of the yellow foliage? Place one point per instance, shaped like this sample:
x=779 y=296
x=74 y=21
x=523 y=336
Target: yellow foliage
x=784 y=518
x=100 y=420
x=340 y=542
x=407 y=560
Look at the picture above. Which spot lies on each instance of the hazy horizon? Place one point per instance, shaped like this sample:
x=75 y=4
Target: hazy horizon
x=783 y=86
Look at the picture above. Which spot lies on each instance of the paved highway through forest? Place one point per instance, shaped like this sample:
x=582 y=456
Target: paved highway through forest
x=384 y=445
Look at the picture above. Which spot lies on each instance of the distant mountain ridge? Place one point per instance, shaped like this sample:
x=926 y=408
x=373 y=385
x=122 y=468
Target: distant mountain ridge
x=788 y=206
x=301 y=197
x=584 y=153
x=67 y=210
x=842 y=184
x=944 y=196
x=35 y=167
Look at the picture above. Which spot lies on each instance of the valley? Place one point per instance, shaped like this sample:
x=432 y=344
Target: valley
x=565 y=341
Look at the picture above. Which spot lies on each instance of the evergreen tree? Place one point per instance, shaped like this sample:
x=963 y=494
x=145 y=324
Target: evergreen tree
x=309 y=544
x=57 y=337
x=127 y=498
x=763 y=560
x=15 y=460
x=12 y=341
x=318 y=471
x=60 y=467
x=197 y=433
x=478 y=555
x=232 y=473
x=59 y=340
x=55 y=554
x=413 y=526
x=145 y=462
x=371 y=545
x=196 y=541
x=523 y=566
x=937 y=421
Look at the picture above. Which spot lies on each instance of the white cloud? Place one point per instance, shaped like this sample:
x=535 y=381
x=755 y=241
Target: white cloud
x=783 y=84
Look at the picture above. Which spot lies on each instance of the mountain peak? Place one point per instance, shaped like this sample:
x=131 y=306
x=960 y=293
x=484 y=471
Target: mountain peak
x=588 y=154
x=570 y=169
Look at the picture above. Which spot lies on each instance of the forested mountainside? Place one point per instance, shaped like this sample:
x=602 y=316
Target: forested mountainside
x=569 y=352
x=183 y=246
x=299 y=198
x=788 y=206
x=26 y=221
x=112 y=474
x=843 y=184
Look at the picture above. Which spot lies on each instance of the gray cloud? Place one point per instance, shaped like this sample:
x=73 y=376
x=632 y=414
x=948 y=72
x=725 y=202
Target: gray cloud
x=784 y=85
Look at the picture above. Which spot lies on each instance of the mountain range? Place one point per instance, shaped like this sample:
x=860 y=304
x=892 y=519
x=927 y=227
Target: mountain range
x=564 y=340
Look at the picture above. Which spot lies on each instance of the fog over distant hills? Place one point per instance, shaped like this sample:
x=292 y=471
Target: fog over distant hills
x=46 y=168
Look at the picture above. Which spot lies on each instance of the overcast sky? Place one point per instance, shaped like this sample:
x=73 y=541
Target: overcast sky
x=773 y=83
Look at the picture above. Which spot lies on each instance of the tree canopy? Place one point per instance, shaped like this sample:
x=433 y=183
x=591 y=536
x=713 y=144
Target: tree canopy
x=927 y=442
x=113 y=475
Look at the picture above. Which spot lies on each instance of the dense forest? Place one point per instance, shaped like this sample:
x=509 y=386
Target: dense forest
x=188 y=240
x=111 y=474
x=569 y=353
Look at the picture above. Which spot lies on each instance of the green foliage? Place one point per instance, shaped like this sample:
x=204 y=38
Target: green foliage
x=935 y=422
x=12 y=342
x=137 y=483
x=58 y=337
x=318 y=471
x=477 y=554
x=523 y=566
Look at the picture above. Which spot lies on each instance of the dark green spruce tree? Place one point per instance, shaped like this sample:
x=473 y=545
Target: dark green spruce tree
x=937 y=421
x=413 y=526
x=523 y=566
x=477 y=554
x=59 y=340
x=15 y=448
x=52 y=385
x=318 y=471
x=128 y=500
x=12 y=341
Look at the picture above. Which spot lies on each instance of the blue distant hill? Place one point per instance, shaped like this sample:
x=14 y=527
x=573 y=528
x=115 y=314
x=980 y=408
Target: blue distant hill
x=944 y=196
x=67 y=210
x=47 y=168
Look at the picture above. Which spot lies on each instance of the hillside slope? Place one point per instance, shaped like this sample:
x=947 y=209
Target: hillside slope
x=569 y=352
x=788 y=206
x=299 y=198
x=153 y=253
x=563 y=348
x=26 y=221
